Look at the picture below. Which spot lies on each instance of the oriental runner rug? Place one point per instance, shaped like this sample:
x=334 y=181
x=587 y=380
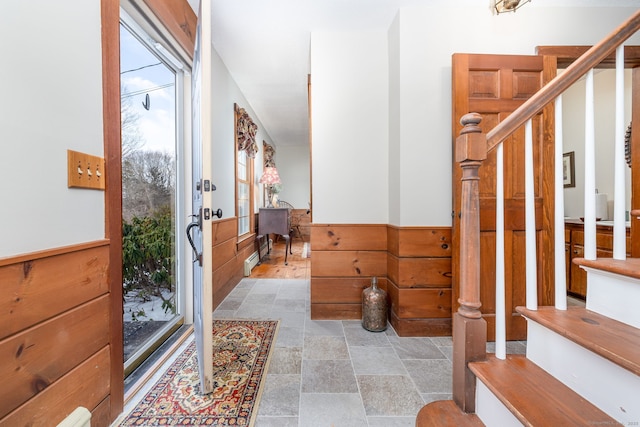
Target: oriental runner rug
x=241 y=352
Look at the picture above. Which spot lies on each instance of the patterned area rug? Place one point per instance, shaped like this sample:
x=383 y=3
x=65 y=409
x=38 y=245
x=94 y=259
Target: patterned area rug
x=241 y=351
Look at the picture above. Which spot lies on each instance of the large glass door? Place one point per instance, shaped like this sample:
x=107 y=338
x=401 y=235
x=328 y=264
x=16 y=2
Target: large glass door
x=151 y=82
x=201 y=156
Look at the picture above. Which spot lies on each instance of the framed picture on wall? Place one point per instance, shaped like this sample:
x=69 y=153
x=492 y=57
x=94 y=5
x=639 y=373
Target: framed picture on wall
x=568 y=169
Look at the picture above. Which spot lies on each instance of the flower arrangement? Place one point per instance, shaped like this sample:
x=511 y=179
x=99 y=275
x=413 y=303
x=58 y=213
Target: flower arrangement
x=276 y=188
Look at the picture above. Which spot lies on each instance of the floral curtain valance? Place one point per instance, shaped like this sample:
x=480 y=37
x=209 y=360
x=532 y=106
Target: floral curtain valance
x=246 y=132
x=268 y=155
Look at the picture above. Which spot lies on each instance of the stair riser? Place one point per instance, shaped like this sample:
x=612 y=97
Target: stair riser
x=614 y=296
x=491 y=410
x=603 y=383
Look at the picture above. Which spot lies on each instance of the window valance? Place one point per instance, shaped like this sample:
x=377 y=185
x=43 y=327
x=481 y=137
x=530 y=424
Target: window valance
x=246 y=131
x=268 y=155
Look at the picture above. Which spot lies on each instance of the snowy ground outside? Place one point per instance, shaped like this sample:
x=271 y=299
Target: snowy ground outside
x=152 y=309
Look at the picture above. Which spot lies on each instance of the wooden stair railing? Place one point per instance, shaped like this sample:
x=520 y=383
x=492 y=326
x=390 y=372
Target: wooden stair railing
x=562 y=82
x=472 y=146
x=469 y=328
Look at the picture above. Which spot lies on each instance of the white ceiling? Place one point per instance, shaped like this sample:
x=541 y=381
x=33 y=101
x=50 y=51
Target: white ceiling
x=265 y=46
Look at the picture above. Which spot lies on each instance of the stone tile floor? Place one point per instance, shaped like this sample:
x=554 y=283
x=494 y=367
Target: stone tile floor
x=335 y=373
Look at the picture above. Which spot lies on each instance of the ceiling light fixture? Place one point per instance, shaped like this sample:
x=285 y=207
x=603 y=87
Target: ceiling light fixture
x=503 y=6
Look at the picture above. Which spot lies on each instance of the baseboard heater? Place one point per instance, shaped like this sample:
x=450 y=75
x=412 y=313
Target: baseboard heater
x=253 y=259
x=81 y=417
x=249 y=263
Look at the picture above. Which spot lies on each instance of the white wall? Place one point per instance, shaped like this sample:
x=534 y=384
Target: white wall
x=346 y=66
x=225 y=94
x=395 y=120
x=574 y=118
x=294 y=169
x=350 y=127
x=51 y=101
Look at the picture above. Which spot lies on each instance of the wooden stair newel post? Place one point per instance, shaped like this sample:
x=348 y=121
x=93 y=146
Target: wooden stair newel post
x=469 y=328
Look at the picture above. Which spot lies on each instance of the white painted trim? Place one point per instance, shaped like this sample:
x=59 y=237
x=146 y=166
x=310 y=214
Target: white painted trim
x=614 y=296
x=491 y=410
x=606 y=385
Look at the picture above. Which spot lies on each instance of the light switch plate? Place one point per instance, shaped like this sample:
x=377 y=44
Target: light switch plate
x=85 y=171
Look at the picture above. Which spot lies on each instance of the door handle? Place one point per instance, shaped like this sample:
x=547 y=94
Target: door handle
x=195 y=223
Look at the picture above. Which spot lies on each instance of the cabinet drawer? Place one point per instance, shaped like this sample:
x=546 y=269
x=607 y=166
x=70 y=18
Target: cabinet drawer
x=604 y=240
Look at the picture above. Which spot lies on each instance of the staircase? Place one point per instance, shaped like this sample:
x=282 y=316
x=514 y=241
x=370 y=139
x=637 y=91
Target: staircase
x=582 y=365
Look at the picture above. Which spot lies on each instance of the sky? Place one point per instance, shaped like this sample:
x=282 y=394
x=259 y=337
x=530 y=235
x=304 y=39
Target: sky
x=158 y=123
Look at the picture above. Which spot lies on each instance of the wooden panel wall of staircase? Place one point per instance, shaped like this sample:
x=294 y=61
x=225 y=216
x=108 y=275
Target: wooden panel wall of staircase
x=413 y=264
x=54 y=335
x=419 y=280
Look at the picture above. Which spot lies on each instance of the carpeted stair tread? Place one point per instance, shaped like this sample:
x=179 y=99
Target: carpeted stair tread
x=611 y=339
x=535 y=397
x=445 y=413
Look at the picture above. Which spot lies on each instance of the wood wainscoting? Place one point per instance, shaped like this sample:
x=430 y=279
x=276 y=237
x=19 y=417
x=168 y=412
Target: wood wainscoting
x=228 y=257
x=413 y=264
x=419 y=280
x=344 y=258
x=55 y=317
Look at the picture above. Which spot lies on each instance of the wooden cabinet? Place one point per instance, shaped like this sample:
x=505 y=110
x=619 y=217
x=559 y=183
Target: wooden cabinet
x=574 y=248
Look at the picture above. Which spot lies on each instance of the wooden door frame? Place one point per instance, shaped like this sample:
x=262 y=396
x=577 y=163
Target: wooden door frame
x=179 y=19
x=110 y=17
x=566 y=55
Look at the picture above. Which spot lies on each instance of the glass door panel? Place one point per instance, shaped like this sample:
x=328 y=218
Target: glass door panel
x=152 y=294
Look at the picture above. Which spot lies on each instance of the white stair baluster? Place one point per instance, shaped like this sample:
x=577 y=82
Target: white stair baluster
x=530 y=221
x=589 y=171
x=501 y=335
x=560 y=267
x=619 y=198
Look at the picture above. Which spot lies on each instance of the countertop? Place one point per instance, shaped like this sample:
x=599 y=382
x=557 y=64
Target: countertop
x=578 y=221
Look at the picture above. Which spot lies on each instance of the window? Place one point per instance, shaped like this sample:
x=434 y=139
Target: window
x=246 y=149
x=244 y=193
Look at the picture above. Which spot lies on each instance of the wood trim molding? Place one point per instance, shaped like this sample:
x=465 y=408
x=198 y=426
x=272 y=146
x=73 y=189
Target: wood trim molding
x=179 y=19
x=110 y=10
x=32 y=256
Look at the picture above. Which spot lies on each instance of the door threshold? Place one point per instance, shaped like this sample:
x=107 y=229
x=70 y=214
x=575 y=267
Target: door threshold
x=147 y=369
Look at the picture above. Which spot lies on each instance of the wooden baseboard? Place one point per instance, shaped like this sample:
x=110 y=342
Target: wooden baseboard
x=421 y=327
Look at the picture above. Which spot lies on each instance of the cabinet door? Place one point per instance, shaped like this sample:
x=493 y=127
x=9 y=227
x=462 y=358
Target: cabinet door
x=567 y=268
x=578 y=284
